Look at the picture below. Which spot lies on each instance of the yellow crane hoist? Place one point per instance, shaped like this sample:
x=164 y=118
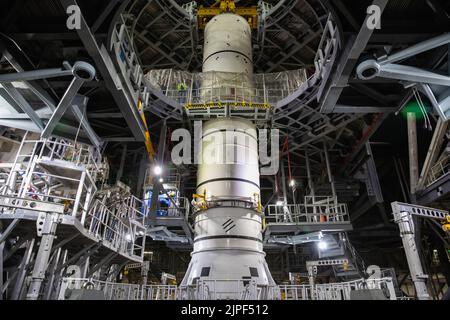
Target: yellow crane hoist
x=202 y=203
x=222 y=6
x=446 y=224
x=148 y=141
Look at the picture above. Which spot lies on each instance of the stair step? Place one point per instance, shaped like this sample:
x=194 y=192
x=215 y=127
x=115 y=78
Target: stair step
x=331 y=253
x=346 y=274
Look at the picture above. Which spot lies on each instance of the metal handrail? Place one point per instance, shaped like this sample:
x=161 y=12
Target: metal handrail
x=69 y=189
x=215 y=88
x=205 y=290
x=439 y=169
x=317 y=210
x=333 y=291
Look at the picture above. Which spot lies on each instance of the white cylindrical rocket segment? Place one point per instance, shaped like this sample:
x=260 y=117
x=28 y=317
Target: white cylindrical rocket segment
x=227 y=60
x=228 y=45
x=230 y=167
x=228 y=240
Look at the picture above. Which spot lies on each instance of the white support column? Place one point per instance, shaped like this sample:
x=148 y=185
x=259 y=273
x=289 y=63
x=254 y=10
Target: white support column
x=406 y=226
x=28 y=177
x=43 y=255
x=19 y=285
x=413 y=153
x=12 y=179
x=330 y=174
x=51 y=281
x=78 y=195
x=85 y=267
x=312 y=270
x=86 y=204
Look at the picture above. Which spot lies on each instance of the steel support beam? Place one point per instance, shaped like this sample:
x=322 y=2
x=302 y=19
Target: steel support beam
x=157 y=187
x=329 y=172
x=99 y=265
x=23 y=104
x=8 y=230
x=34 y=87
x=122 y=162
x=362 y=109
x=79 y=110
x=34 y=75
x=405 y=222
x=347 y=62
x=104 y=14
x=112 y=80
x=77 y=256
x=64 y=104
x=42 y=257
x=433 y=151
x=19 y=285
x=413 y=152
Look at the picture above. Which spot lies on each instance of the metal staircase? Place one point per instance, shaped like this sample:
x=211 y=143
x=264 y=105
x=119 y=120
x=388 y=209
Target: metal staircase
x=339 y=247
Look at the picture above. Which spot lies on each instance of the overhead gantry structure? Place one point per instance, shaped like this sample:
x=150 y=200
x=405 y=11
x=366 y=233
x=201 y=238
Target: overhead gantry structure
x=305 y=57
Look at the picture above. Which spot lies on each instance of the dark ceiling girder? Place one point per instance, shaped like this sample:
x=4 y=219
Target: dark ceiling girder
x=296 y=48
x=372 y=93
x=347 y=63
x=13 y=13
x=156 y=47
x=104 y=14
x=363 y=109
x=107 y=69
x=346 y=13
x=46 y=36
x=437 y=7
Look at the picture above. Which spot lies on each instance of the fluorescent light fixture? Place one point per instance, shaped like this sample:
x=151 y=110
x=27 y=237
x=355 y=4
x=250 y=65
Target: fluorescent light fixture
x=157 y=170
x=322 y=245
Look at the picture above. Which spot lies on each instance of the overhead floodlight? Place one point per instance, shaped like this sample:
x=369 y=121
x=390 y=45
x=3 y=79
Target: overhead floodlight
x=157 y=170
x=292 y=183
x=279 y=203
x=322 y=245
x=128 y=237
x=161 y=180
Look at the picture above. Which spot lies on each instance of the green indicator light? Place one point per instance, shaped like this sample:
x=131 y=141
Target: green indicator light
x=414 y=107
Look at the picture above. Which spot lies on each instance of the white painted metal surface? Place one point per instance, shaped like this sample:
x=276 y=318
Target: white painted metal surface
x=228 y=48
x=228 y=45
x=228 y=236
x=230 y=160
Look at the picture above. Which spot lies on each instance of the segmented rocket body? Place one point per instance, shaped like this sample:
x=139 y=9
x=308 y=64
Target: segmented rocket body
x=228 y=247
x=227 y=60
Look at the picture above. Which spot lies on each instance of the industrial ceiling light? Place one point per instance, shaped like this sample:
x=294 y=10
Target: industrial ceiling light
x=157 y=170
x=161 y=180
x=279 y=203
x=322 y=245
x=128 y=237
x=292 y=183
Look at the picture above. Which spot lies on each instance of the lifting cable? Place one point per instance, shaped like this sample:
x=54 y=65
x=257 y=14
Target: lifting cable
x=286 y=149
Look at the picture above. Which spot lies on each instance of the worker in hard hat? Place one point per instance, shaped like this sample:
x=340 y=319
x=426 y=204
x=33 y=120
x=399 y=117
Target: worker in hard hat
x=182 y=89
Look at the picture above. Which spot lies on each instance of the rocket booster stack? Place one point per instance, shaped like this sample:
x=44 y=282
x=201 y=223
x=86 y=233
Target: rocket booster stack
x=228 y=45
x=227 y=59
x=228 y=247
